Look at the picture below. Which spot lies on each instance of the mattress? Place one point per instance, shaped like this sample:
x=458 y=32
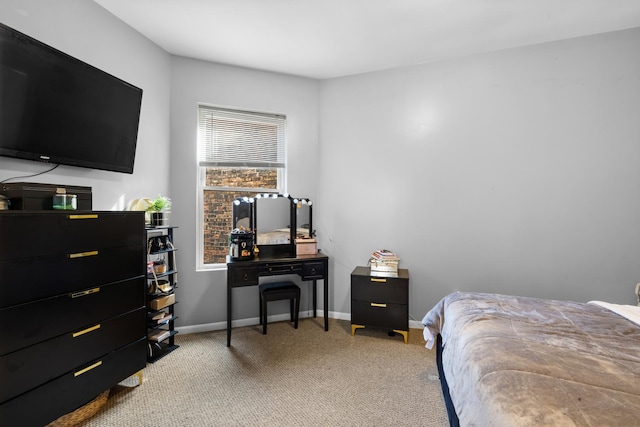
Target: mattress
x=517 y=361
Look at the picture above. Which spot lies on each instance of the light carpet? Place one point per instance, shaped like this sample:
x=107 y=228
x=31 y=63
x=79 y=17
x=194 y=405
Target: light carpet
x=289 y=377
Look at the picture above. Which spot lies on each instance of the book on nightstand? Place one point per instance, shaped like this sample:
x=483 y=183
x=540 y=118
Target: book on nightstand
x=384 y=263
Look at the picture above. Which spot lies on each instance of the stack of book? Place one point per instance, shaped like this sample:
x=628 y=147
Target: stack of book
x=384 y=263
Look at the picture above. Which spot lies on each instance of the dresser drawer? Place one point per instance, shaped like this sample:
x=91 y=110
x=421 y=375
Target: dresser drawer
x=385 y=315
x=25 y=369
x=392 y=291
x=28 y=279
x=72 y=390
x=28 y=324
x=26 y=235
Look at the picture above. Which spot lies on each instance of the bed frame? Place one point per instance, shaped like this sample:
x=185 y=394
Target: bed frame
x=451 y=410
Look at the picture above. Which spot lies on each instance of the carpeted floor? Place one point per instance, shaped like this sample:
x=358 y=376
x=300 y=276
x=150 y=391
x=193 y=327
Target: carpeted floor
x=289 y=377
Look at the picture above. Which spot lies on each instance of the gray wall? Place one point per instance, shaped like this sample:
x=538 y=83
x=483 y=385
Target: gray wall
x=515 y=172
x=85 y=30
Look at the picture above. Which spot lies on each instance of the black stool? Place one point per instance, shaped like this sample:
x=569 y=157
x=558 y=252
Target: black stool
x=275 y=292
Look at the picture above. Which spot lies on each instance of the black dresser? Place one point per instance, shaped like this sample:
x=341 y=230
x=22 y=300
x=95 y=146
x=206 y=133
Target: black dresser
x=72 y=309
x=381 y=302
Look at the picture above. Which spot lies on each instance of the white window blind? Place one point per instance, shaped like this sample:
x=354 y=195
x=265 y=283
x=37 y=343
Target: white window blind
x=240 y=138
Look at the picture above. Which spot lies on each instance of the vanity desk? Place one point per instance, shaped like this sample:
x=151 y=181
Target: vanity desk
x=248 y=272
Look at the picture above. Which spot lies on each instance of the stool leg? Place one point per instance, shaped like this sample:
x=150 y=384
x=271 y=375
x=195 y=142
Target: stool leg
x=297 y=312
x=264 y=316
x=260 y=305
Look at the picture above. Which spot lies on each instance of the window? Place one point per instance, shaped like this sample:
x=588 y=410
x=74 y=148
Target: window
x=240 y=154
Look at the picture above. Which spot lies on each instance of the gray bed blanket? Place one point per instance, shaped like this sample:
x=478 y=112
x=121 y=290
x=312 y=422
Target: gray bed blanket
x=517 y=361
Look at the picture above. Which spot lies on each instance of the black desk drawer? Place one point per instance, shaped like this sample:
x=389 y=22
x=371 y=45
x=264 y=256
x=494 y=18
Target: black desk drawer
x=29 y=279
x=245 y=276
x=28 y=324
x=313 y=270
x=24 y=369
x=385 y=315
x=26 y=235
x=72 y=390
x=279 y=269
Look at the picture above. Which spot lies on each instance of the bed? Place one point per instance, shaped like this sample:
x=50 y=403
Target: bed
x=518 y=361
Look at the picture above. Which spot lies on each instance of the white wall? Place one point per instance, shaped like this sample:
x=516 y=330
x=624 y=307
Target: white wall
x=203 y=294
x=514 y=172
x=85 y=30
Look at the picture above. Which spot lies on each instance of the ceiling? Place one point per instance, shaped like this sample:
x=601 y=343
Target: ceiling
x=331 y=38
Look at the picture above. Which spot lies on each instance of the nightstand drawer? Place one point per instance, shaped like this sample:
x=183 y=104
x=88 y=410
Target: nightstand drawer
x=396 y=292
x=380 y=314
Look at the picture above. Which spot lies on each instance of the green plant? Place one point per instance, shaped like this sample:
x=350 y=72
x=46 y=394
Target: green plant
x=159 y=204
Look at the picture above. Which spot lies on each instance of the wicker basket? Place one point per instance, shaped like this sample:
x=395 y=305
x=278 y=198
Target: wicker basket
x=82 y=413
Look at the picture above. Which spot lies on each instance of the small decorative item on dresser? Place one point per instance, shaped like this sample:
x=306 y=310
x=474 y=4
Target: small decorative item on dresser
x=64 y=201
x=306 y=246
x=241 y=244
x=159 y=209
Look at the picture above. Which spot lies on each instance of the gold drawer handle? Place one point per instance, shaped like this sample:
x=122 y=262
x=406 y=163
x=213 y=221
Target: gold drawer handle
x=83 y=254
x=88 y=368
x=375 y=304
x=86 y=216
x=85 y=293
x=373 y=279
x=86 y=331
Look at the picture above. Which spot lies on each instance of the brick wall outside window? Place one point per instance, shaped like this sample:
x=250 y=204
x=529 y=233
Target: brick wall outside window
x=218 y=205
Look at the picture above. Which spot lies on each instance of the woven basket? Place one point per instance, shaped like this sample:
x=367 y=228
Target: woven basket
x=82 y=413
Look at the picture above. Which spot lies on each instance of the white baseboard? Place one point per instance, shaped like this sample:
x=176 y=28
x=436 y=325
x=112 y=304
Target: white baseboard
x=217 y=326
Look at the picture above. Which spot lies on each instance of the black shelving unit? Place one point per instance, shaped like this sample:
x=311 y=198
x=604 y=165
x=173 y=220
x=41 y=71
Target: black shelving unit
x=161 y=321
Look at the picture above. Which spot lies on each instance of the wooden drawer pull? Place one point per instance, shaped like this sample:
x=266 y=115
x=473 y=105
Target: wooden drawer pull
x=86 y=216
x=374 y=279
x=87 y=369
x=83 y=254
x=85 y=331
x=375 y=304
x=85 y=293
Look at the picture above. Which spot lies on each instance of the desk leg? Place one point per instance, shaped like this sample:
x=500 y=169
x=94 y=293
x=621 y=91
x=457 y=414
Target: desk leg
x=228 y=315
x=326 y=303
x=314 y=291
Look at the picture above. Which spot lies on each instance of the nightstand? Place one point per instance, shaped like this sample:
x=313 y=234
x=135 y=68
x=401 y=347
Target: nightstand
x=380 y=302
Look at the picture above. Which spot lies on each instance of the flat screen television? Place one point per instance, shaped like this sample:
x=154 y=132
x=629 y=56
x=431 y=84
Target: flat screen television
x=57 y=109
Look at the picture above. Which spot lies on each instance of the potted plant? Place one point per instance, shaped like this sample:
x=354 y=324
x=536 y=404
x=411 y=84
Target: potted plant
x=158 y=208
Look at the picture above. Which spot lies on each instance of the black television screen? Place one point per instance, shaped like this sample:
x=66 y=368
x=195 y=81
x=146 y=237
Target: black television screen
x=57 y=109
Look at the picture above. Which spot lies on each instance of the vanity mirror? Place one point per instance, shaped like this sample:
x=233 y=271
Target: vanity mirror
x=275 y=220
